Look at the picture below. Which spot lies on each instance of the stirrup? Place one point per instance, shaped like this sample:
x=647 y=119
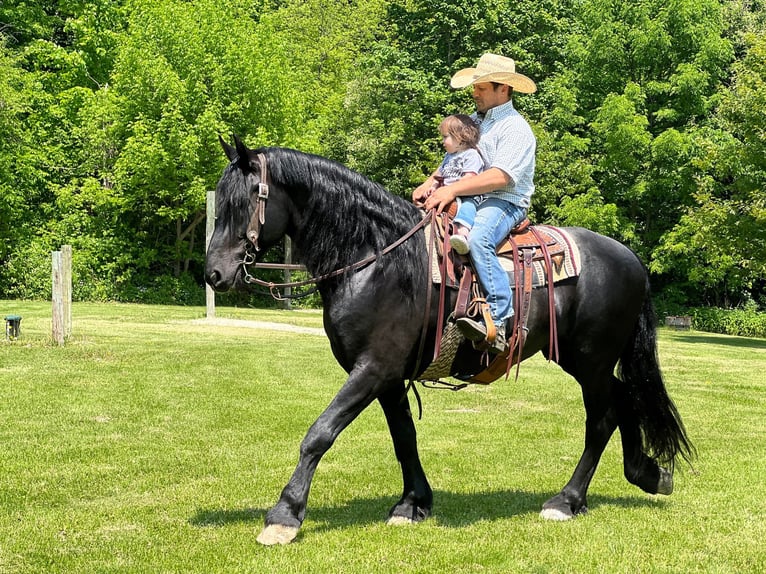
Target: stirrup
x=476 y=332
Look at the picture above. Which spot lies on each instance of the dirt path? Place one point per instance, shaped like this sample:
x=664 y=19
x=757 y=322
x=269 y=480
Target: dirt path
x=263 y=325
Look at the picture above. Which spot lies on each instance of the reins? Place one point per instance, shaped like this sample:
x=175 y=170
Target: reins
x=258 y=219
x=273 y=287
x=253 y=232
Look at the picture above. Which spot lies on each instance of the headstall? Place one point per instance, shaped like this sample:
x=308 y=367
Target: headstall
x=259 y=213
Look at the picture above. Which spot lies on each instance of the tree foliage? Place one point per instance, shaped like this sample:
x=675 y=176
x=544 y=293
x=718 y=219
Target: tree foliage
x=719 y=243
x=649 y=118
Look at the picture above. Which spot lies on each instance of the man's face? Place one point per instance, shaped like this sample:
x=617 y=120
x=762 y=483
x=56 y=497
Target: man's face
x=488 y=96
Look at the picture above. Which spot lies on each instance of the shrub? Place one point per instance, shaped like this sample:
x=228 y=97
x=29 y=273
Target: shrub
x=27 y=273
x=744 y=322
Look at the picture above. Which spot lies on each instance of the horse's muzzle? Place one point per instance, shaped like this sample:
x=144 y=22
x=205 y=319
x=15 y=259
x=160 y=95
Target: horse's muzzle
x=218 y=280
x=213 y=278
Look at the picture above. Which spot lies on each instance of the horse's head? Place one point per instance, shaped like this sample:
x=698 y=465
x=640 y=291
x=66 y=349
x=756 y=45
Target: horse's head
x=249 y=217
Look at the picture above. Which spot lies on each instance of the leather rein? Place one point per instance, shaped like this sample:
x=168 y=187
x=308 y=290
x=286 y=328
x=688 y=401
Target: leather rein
x=257 y=221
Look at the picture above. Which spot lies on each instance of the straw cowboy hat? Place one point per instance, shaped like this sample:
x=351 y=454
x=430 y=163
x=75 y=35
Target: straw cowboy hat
x=494 y=68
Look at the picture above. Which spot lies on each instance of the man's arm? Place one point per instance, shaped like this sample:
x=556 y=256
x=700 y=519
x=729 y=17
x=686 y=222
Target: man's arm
x=492 y=179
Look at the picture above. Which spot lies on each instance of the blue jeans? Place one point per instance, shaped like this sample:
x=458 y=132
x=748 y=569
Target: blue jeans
x=493 y=223
x=466 y=211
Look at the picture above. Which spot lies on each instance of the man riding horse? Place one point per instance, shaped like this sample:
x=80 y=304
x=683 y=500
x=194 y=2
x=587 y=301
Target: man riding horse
x=501 y=193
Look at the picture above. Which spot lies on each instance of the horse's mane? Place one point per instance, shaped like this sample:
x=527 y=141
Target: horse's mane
x=344 y=210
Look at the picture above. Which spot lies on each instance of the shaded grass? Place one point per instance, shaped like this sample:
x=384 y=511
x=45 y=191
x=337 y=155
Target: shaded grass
x=152 y=444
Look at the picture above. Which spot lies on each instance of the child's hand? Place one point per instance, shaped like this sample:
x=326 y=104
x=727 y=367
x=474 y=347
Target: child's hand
x=421 y=193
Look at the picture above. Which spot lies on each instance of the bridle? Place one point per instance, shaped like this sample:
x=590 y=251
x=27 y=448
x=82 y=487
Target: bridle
x=258 y=219
x=259 y=213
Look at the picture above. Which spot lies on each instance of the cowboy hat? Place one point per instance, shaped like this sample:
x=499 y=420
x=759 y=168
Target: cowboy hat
x=494 y=68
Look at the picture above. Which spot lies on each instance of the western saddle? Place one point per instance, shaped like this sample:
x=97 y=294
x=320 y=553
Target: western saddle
x=533 y=255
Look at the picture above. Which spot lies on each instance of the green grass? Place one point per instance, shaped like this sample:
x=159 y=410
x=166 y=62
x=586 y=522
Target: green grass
x=150 y=443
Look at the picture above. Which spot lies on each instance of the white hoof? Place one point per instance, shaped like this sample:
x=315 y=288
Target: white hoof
x=399 y=521
x=277 y=534
x=554 y=514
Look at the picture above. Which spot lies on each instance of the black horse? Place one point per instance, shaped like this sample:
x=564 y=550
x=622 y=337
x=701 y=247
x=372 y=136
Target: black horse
x=373 y=316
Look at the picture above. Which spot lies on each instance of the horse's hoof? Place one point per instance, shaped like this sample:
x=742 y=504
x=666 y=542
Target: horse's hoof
x=665 y=483
x=399 y=521
x=277 y=534
x=555 y=514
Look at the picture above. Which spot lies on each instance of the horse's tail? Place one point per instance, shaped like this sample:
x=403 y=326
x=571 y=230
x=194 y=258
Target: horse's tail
x=662 y=430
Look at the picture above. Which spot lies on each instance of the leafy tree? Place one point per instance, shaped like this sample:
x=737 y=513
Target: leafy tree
x=110 y=111
x=13 y=107
x=59 y=70
x=719 y=244
x=638 y=80
x=323 y=40
x=183 y=73
x=387 y=127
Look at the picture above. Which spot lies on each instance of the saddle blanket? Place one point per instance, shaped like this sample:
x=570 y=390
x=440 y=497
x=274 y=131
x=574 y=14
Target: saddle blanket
x=564 y=266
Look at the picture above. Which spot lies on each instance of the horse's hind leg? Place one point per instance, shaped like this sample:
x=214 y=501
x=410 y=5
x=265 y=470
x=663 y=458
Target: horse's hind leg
x=417 y=497
x=600 y=424
x=640 y=469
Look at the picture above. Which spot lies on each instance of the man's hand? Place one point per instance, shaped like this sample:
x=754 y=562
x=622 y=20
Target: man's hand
x=440 y=199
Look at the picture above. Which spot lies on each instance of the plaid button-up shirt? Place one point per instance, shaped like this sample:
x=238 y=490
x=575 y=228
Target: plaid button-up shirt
x=508 y=143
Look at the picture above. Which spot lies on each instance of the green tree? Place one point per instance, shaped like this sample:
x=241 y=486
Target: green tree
x=63 y=50
x=638 y=80
x=184 y=73
x=719 y=244
x=387 y=127
x=110 y=111
x=13 y=167
x=323 y=40
x=122 y=122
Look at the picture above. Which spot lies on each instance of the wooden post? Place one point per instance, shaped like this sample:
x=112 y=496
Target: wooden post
x=209 y=227
x=61 y=298
x=66 y=279
x=288 y=303
x=58 y=297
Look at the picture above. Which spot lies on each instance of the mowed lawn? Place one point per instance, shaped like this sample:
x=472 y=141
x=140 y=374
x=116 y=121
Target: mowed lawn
x=153 y=442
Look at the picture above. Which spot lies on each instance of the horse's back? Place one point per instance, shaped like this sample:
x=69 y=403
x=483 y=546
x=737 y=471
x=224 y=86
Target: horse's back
x=603 y=304
x=607 y=261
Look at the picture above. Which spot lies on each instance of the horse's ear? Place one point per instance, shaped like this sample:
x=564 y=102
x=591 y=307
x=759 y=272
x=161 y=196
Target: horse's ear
x=229 y=150
x=243 y=153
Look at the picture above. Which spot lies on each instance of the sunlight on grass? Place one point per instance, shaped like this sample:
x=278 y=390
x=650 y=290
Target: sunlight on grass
x=151 y=443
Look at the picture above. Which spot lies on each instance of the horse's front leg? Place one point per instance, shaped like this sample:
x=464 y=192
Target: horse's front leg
x=284 y=520
x=417 y=497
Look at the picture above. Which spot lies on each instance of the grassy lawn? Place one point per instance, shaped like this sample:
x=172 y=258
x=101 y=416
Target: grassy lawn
x=153 y=443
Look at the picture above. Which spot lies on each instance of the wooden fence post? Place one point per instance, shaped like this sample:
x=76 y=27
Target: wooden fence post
x=61 y=277
x=57 y=298
x=66 y=278
x=288 y=303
